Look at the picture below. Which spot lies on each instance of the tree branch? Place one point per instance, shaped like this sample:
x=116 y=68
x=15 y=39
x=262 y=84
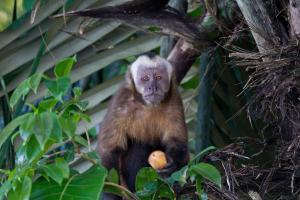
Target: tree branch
x=264 y=26
x=182 y=57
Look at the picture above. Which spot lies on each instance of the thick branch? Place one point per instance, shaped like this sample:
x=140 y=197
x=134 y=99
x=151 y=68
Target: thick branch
x=182 y=57
x=264 y=26
x=169 y=20
x=169 y=41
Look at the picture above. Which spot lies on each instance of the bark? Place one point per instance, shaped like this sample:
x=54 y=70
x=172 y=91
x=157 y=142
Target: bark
x=170 y=41
x=264 y=26
x=182 y=57
x=204 y=99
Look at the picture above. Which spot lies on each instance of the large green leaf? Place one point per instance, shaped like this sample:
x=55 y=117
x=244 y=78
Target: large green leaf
x=58 y=171
x=43 y=127
x=63 y=68
x=145 y=176
x=86 y=186
x=26 y=128
x=5 y=188
x=58 y=87
x=6 y=13
x=208 y=172
x=11 y=127
x=22 y=191
x=32 y=150
x=23 y=89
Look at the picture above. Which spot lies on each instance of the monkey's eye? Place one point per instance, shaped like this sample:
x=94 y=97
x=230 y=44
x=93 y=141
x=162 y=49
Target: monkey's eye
x=145 y=78
x=158 y=77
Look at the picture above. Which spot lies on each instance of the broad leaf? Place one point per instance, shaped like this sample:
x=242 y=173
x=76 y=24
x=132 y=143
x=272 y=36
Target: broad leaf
x=208 y=172
x=58 y=87
x=33 y=150
x=145 y=176
x=149 y=191
x=34 y=82
x=86 y=186
x=63 y=68
x=11 y=127
x=164 y=191
x=179 y=176
x=26 y=128
x=113 y=176
x=22 y=192
x=43 y=127
x=58 y=170
x=68 y=125
x=146 y=183
x=24 y=88
x=80 y=140
x=47 y=104
x=5 y=188
x=56 y=134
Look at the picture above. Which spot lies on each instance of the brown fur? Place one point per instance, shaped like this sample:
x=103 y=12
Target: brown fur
x=129 y=118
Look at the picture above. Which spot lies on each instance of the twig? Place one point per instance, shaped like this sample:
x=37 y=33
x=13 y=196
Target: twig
x=123 y=189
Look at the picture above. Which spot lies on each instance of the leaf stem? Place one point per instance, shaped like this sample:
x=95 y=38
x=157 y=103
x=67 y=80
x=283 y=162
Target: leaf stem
x=128 y=193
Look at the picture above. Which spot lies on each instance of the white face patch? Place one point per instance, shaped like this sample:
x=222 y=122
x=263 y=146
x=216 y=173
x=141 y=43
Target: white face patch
x=147 y=62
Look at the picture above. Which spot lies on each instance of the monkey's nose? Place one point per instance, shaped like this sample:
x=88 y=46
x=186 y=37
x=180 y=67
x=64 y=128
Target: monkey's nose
x=152 y=89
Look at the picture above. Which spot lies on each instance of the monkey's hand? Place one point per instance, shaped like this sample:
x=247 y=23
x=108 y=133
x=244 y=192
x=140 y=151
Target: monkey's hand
x=177 y=156
x=168 y=169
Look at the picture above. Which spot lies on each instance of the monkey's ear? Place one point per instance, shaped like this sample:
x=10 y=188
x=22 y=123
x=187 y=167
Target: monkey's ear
x=129 y=79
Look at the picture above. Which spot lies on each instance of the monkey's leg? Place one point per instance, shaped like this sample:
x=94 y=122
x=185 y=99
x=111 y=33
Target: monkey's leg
x=135 y=159
x=110 y=160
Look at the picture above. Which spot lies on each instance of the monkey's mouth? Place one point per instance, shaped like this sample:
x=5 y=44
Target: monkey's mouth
x=153 y=98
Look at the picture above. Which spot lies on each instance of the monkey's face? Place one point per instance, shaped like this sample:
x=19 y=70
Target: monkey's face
x=152 y=78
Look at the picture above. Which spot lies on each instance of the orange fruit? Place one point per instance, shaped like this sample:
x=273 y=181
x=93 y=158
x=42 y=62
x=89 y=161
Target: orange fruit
x=157 y=160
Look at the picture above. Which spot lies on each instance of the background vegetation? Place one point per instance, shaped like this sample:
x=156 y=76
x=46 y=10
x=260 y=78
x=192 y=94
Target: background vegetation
x=53 y=131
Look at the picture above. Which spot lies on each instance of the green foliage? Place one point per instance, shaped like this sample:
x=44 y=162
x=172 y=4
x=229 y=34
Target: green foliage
x=22 y=190
x=85 y=186
x=208 y=172
x=64 y=67
x=53 y=122
x=56 y=116
x=149 y=185
x=49 y=124
x=58 y=171
x=197 y=12
x=24 y=88
x=7 y=11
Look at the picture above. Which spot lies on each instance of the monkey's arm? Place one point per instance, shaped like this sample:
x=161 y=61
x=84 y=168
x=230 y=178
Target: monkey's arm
x=176 y=145
x=112 y=139
x=111 y=142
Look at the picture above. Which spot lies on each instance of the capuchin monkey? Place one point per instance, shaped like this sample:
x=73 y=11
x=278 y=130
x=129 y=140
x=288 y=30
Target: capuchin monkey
x=146 y=114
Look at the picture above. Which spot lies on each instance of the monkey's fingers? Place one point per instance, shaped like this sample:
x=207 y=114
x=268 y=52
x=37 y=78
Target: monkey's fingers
x=167 y=170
